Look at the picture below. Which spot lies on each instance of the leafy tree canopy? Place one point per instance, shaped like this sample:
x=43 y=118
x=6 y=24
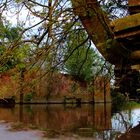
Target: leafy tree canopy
x=83 y=60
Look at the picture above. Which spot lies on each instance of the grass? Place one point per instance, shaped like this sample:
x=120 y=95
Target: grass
x=131 y=104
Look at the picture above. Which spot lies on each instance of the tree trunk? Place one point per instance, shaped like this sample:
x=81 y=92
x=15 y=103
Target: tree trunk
x=95 y=22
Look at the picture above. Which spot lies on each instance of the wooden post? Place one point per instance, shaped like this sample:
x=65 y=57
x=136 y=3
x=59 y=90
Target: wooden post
x=93 y=92
x=105 y=89
x=21 y=113
x=21 y=85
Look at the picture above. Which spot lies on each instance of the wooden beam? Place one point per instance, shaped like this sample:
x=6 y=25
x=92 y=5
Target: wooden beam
x=134 y=6
x=136 y=67
x=135 y=55
x=126 y=23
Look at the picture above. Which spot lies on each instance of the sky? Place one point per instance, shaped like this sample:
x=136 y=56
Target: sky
x=23 y=17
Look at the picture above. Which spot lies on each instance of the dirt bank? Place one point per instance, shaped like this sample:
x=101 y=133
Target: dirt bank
x=6 y=134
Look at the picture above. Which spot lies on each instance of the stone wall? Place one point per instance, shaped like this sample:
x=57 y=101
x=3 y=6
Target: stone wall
x=54 y=88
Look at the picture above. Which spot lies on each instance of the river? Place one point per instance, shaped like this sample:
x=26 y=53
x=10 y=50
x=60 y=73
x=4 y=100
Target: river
x=69 y=122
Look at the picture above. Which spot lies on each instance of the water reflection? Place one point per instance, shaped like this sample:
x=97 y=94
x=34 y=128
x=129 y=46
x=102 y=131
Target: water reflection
x=85 y=121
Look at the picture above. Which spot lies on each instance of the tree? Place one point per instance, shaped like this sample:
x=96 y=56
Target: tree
x=43 y=24
x=83 y=60
x=7 y=36
x=49 y=30
x=45 y=30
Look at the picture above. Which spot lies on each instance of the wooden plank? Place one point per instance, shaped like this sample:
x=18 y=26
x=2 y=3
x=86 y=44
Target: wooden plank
x=131 y=36
x=135 y=55
x=134 y=6
x=126 y=23
x=134 y=2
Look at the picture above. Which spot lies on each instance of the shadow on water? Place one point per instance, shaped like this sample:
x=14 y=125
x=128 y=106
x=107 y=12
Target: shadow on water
x=86 y=121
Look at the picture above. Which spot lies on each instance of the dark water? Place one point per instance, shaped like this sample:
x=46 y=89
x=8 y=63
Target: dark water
x=85 y=122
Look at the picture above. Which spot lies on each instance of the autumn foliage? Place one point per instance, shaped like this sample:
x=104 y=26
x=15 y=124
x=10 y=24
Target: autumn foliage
x=52 y=86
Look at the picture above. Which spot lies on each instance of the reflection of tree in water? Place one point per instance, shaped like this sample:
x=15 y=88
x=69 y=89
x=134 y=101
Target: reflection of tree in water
x=121 y=122
x=88 y=121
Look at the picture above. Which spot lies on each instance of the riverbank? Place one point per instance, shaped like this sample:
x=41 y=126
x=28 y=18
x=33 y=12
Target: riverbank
x=6 y=133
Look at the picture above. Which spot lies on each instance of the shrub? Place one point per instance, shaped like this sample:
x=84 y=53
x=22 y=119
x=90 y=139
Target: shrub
x=118 y=101
x=28 y=97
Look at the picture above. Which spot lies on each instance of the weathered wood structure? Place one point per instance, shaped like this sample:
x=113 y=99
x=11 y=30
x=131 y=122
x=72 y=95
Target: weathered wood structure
x=118 y=41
